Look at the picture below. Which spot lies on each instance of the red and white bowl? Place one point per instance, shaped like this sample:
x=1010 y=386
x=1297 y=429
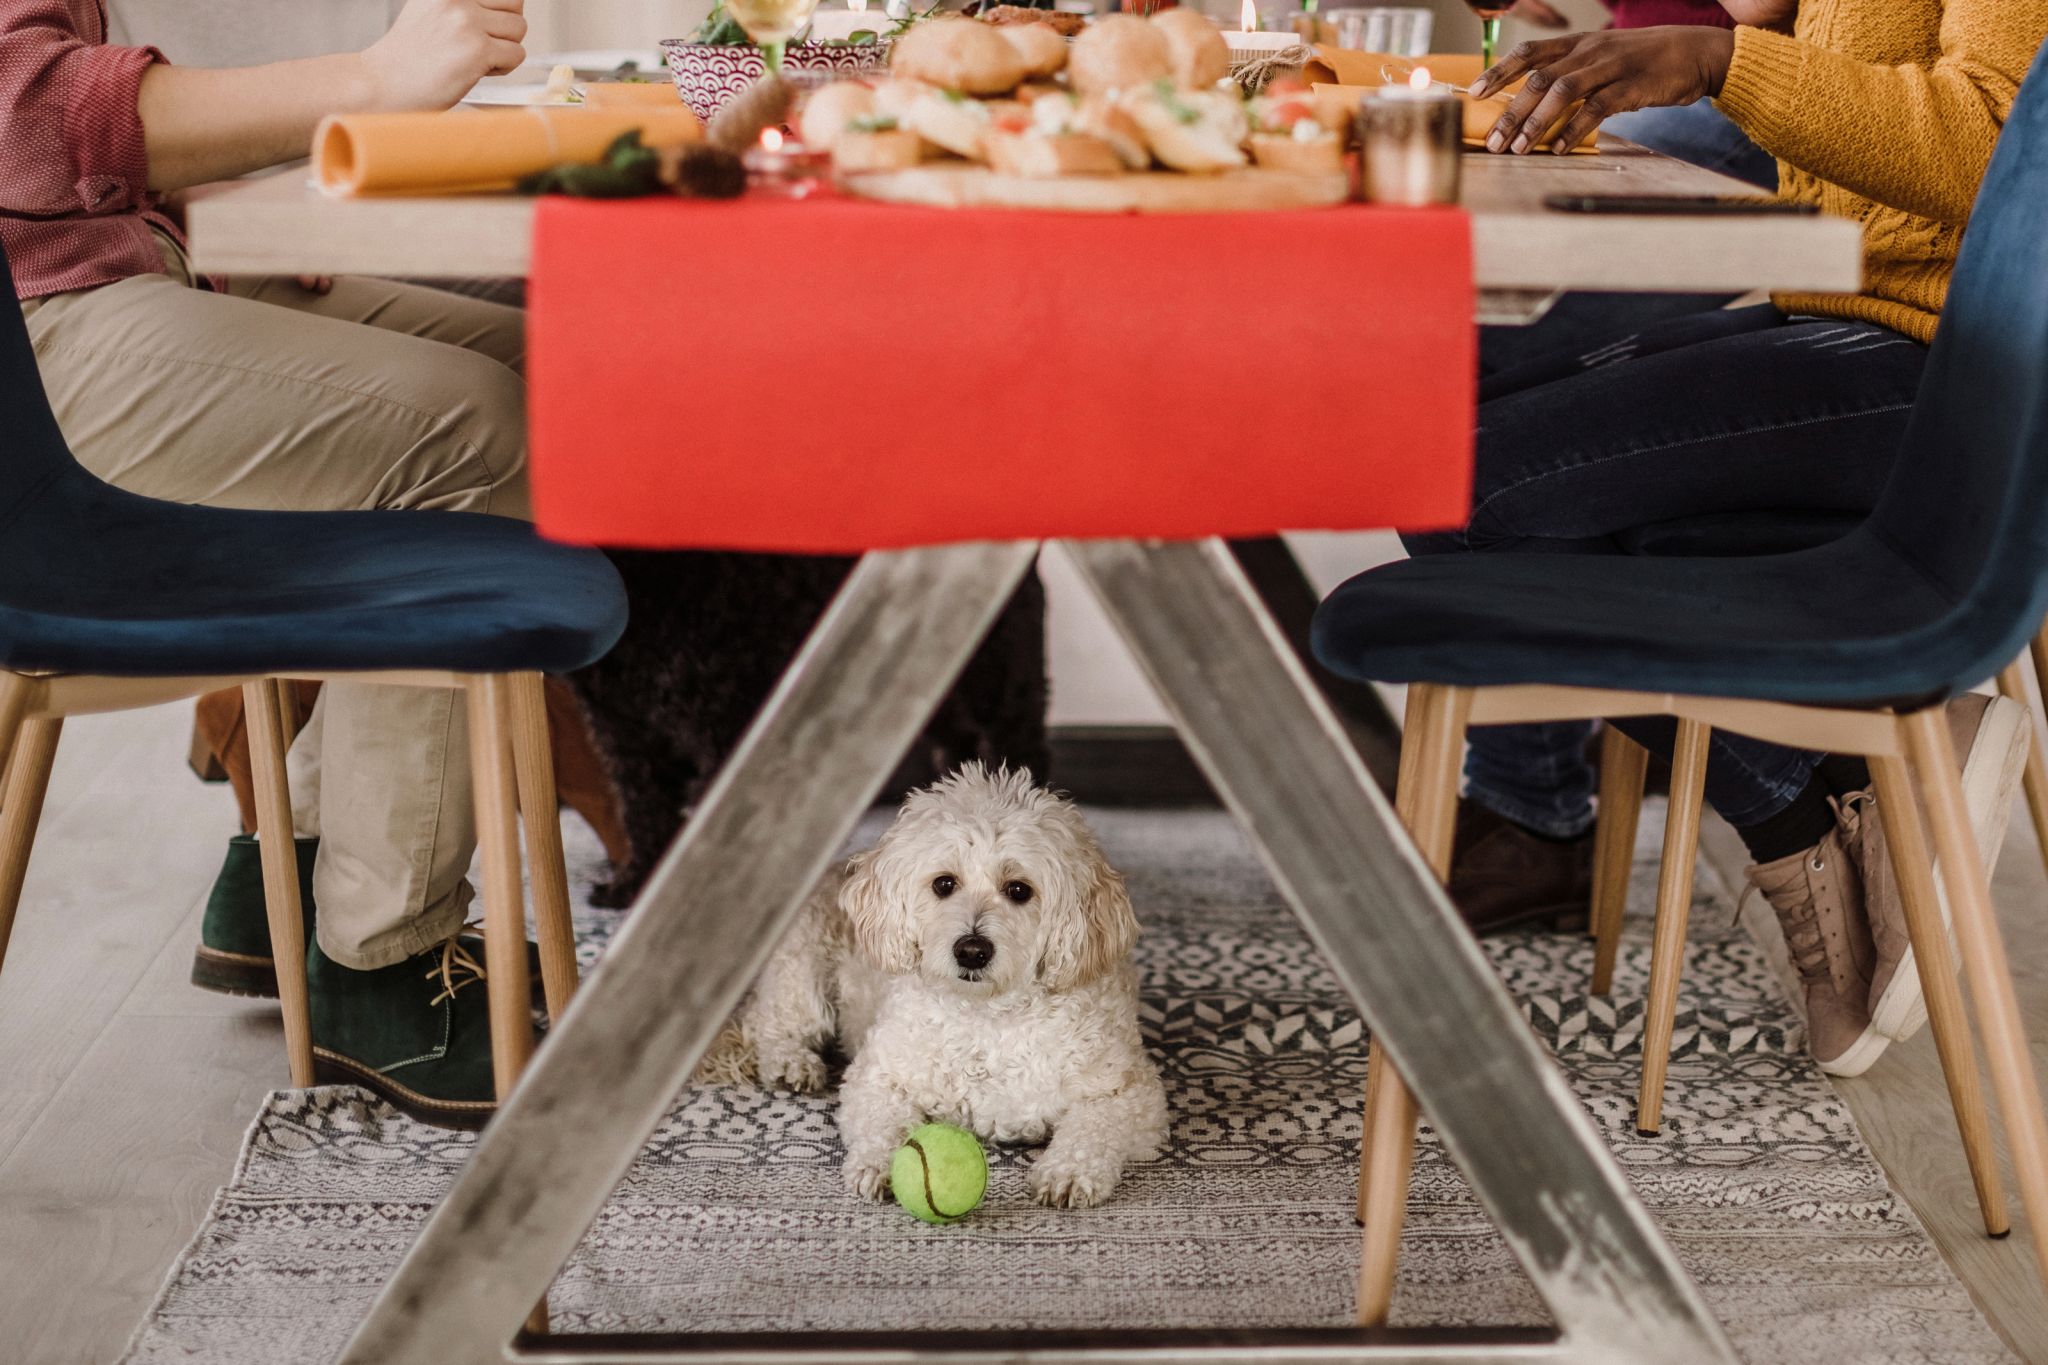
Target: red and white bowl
x=709 y=74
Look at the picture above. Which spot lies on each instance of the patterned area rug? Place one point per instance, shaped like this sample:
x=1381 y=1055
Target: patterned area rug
x=734 y=1217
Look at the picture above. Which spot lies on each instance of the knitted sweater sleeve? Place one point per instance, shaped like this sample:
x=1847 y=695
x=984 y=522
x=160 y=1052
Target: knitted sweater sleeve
x=1915 y=137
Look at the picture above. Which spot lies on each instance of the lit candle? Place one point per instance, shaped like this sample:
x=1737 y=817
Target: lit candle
x=1411 y=138
x=781 y=166
x=1247 y=43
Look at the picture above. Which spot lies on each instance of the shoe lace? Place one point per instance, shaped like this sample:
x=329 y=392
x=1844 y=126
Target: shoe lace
x=455 y=968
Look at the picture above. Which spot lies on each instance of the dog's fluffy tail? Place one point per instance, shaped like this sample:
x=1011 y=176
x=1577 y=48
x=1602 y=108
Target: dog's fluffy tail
x=731 y=1060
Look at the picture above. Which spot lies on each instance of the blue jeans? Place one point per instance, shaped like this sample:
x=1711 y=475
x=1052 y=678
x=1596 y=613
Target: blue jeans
x=1701 y=134
x=1725 y=411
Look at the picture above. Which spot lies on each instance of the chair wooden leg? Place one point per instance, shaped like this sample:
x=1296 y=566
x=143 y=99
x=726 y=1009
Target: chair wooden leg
x=21 y=805
x=1674 y=908
x=497 y=833
x=279 y=850
x=2012 y=683
x=1622 y=765
x=1983 y=952
x=541 y=817
x=1428 y=804
x=1913 y=866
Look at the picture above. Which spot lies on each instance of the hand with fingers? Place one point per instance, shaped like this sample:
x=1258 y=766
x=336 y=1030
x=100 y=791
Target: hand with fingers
x=437 y=49
x=1580 y=79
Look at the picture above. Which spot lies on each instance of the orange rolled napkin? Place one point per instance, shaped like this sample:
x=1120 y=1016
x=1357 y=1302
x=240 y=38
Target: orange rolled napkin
x=631 y=95
x=1341 y=66
x=485 y=149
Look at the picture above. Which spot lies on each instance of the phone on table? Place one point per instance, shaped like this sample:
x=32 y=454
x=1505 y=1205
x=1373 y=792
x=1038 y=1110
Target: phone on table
x=1675 y=204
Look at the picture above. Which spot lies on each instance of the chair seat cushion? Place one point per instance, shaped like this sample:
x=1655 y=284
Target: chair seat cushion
x=1752 y=627
x=93 y=580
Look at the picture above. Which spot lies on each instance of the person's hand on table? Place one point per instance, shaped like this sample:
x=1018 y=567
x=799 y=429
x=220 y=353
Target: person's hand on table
x=1603 y=73
x=437 y=49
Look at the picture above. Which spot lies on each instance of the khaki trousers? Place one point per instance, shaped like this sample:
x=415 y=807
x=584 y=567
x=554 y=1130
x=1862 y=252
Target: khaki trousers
x=376 y=395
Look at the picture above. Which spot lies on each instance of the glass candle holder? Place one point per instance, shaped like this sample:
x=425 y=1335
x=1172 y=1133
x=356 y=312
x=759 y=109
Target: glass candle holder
x=781 y=166
x=1411 y=140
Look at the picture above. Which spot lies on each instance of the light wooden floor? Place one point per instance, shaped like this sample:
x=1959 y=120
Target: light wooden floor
x=124 y=1092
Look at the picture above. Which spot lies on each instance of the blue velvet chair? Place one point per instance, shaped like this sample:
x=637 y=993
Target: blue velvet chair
x=1850 y=646
x=110 y=601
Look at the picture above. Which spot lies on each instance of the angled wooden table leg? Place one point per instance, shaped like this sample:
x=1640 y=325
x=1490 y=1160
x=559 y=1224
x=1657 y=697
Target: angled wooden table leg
x=1255 y=721
x=870 y=676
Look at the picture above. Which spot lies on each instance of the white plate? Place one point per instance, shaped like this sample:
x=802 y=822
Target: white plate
x=604 y=59
x=499 y=92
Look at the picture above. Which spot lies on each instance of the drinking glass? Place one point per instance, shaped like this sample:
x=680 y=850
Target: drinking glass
x=771 y=24
x=1400 y=31
x=1489 y=12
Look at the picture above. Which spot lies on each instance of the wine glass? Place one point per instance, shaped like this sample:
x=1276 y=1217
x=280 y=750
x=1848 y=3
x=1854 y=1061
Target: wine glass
x=1489 y=12
x=771 y=24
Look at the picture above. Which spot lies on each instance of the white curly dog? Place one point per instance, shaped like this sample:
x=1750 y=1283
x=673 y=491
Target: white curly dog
x=975 y=966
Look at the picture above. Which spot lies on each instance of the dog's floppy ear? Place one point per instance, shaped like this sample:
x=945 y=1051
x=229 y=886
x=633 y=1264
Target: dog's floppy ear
x=881 y=932
x=1108 y=932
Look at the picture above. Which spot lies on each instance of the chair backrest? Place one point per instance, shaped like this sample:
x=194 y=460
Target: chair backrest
x=1968 y=499
x=32 y=449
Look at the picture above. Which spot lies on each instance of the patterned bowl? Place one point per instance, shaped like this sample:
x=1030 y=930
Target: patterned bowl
x=709 y=74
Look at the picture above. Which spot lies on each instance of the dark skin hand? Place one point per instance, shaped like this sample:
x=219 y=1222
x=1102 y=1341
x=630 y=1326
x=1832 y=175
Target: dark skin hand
x=1604 y=73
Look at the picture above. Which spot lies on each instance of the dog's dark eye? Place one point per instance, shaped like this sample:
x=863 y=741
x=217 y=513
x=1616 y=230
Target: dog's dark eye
x=1018 y=891
x=944 y=885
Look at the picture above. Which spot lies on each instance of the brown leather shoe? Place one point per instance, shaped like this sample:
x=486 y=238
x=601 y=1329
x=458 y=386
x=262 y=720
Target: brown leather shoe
x=1818 y=896
x=1503 y=877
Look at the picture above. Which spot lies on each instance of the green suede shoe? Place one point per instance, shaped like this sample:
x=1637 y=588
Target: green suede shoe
x=233 y=956
x=417 y=1032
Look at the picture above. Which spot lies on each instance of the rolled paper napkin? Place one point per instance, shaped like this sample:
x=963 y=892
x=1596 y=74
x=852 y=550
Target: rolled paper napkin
x=1341 y=101
x=631 y=95
x=482 y=149
x=1341 y=66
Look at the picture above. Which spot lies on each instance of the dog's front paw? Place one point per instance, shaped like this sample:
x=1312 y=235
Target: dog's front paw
x=797 y=1068
x=867 y=1177
x=1066 y=1183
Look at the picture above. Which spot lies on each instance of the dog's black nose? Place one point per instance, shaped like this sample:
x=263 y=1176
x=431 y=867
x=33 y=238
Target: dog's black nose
x=973 y=952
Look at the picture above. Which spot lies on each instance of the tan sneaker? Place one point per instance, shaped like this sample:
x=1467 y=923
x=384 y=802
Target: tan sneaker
x=1818 y=896
x=1990 y=736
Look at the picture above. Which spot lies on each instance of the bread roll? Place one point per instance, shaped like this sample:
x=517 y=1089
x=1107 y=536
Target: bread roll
x=1200 y=56
x=1044 y=52
x=1042 y=156
x=1191 y=130
x=893 y=98
x=891 y=149
x=828 y=111
x=958 y=54
x=1118 y=52
x=958 y=124
x=1322 y=154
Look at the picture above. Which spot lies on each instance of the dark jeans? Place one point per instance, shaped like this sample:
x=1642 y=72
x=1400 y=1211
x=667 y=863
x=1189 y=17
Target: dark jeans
x=1722 y=411
x=1701 y=134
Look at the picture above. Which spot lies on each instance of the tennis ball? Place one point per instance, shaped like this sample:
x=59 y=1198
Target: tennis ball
x=939 y=1173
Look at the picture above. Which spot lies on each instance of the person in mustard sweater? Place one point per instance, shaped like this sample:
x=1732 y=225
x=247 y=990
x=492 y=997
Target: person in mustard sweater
x=1881 y=111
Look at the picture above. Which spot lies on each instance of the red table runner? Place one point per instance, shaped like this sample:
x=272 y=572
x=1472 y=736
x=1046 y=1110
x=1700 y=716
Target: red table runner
x=834 y=376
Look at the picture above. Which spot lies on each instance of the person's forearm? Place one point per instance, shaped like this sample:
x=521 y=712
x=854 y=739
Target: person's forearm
x=201 y=125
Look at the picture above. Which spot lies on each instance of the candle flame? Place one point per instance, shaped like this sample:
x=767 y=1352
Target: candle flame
x=771 y=139
x=1248 y=18
x=1418 y=79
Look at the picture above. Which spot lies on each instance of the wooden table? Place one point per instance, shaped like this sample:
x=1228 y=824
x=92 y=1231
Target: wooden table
x=279 y=225
x=824 y=744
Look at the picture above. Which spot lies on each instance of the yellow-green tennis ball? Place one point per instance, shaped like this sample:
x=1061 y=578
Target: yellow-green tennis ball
x=939 y=1173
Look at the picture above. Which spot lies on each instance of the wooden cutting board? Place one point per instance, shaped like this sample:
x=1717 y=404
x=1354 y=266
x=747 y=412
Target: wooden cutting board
x=960 y=185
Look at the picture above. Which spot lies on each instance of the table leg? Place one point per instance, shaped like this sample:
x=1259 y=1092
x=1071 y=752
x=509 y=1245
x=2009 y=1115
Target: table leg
x=1290 y=599
x=1255 y=722
x=869 y=678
